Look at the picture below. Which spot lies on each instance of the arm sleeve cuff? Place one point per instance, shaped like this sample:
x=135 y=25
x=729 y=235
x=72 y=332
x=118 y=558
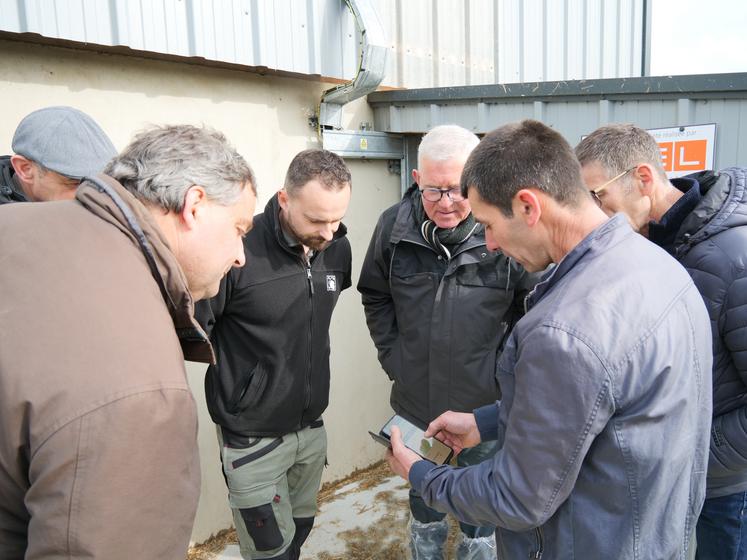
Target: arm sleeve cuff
x=487 y=421
x=418 y=472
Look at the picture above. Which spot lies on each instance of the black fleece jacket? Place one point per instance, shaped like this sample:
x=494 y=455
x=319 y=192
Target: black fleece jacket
x=269 y=325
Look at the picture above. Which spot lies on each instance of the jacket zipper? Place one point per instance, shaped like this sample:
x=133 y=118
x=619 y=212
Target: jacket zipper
x=307 y=402
x=540 y=544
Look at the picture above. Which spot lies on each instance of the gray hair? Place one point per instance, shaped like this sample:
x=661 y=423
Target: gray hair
x=619 y=147
x=163 y=162
x=446 y=142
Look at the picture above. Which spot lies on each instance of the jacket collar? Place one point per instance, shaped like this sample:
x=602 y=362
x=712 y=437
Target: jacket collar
x=723 y=206
x=405 y=228
x=9 y=186
x=604 y=236
x=110 y=201
x=272 y=215
x=664 y=232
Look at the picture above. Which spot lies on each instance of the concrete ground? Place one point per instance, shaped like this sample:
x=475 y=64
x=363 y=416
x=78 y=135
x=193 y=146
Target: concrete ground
x=363 y=517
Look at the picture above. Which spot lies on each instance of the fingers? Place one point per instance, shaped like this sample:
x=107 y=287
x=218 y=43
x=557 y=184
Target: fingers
x=396 y=440
x=436 y=426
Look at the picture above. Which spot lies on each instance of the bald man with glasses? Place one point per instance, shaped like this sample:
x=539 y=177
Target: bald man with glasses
x=438 y=305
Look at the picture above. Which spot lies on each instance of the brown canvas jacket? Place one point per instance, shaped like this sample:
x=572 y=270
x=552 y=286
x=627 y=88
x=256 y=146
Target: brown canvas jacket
x=98 y=449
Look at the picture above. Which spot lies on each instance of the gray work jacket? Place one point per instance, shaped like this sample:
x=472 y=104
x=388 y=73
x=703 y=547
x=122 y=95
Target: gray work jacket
x=606 y=410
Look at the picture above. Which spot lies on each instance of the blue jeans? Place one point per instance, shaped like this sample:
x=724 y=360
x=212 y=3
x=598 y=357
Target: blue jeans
x=471 y=456
x=722 y=528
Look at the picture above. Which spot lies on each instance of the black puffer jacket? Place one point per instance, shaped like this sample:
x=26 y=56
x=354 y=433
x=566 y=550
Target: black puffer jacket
x=270 y=330
x=438 y=324
x=712 y=245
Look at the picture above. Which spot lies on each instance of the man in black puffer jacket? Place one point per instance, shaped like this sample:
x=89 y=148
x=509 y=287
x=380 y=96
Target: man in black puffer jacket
x=701 y=220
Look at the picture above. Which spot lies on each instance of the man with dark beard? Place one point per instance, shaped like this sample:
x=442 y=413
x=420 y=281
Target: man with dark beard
x=270 y=327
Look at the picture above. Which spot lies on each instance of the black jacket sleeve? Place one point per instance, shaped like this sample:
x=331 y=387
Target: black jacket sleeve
x=729 y=432
x=209 y=311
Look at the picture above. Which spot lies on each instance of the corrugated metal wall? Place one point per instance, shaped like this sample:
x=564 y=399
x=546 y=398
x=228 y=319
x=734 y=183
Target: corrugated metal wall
x=577 y=108
x=314 y=37
x=439 y=43
x=434 y=42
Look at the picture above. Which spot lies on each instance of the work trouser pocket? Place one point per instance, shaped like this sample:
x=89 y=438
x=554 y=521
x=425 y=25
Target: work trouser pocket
x=262 y=526
x=253 y=455
x=263 y=519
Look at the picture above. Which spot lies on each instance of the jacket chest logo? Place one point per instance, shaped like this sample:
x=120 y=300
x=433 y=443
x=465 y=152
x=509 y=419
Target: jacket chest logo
x=331 y=283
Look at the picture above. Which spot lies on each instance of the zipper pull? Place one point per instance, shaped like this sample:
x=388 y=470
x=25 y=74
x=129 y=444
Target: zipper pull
x=311 y=280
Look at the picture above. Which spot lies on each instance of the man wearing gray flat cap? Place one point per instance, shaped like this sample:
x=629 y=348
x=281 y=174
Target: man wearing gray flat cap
x=54 y=148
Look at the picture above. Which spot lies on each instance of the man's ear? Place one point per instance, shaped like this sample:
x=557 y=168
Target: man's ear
x=195 y=203
x=527 y=205
x=283 y=199
x=24 y=168
x=647 y=176
x=416 y=176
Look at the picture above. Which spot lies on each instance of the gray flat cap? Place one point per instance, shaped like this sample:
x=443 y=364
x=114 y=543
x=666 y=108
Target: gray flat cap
x=64 y=140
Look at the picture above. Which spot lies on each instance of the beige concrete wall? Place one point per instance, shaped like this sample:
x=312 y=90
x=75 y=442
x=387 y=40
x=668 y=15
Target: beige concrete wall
x=266 y=119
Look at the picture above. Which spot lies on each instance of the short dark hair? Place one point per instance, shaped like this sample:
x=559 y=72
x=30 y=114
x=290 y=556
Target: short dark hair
x=322 y=165
x=522 y=155
x=618 y=147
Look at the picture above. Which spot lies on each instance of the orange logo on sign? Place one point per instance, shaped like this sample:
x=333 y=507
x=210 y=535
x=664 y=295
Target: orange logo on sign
x=685 y=155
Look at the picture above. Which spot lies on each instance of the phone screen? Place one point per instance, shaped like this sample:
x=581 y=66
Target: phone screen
x=414 y=438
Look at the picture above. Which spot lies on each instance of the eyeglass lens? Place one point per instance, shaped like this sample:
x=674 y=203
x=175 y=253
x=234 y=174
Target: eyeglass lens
x=434 y=195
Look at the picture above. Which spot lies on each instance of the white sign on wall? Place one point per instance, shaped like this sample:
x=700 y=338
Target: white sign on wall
x=686 y=149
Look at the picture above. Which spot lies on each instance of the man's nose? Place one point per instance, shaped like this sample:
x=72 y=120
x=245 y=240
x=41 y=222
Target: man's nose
x=240 y=256
x=328 y=231
x=491 y=243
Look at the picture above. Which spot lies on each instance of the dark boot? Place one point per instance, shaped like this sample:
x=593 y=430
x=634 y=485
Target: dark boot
x=303 y=528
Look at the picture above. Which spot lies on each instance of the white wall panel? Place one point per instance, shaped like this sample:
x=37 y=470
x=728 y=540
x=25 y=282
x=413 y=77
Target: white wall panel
x=434 y=43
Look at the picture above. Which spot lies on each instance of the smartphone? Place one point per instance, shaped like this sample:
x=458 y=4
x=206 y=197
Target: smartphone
x=414 y=438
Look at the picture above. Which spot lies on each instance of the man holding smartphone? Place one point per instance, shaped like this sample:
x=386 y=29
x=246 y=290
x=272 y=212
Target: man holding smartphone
x=438 y=304
x=604 y=422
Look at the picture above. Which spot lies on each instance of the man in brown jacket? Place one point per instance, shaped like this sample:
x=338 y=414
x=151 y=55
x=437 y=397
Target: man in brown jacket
x=98 y=450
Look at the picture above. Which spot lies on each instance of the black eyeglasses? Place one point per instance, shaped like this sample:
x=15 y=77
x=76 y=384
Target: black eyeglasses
x=595 y=192
x=432 y=194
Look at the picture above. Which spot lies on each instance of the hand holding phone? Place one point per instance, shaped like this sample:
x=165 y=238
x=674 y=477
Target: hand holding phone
x=414 y=439
x=458 y=430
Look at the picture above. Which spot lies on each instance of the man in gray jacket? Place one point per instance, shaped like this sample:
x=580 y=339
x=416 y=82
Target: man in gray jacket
x=438 y=305
x=701 y=220
x=604 y=421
